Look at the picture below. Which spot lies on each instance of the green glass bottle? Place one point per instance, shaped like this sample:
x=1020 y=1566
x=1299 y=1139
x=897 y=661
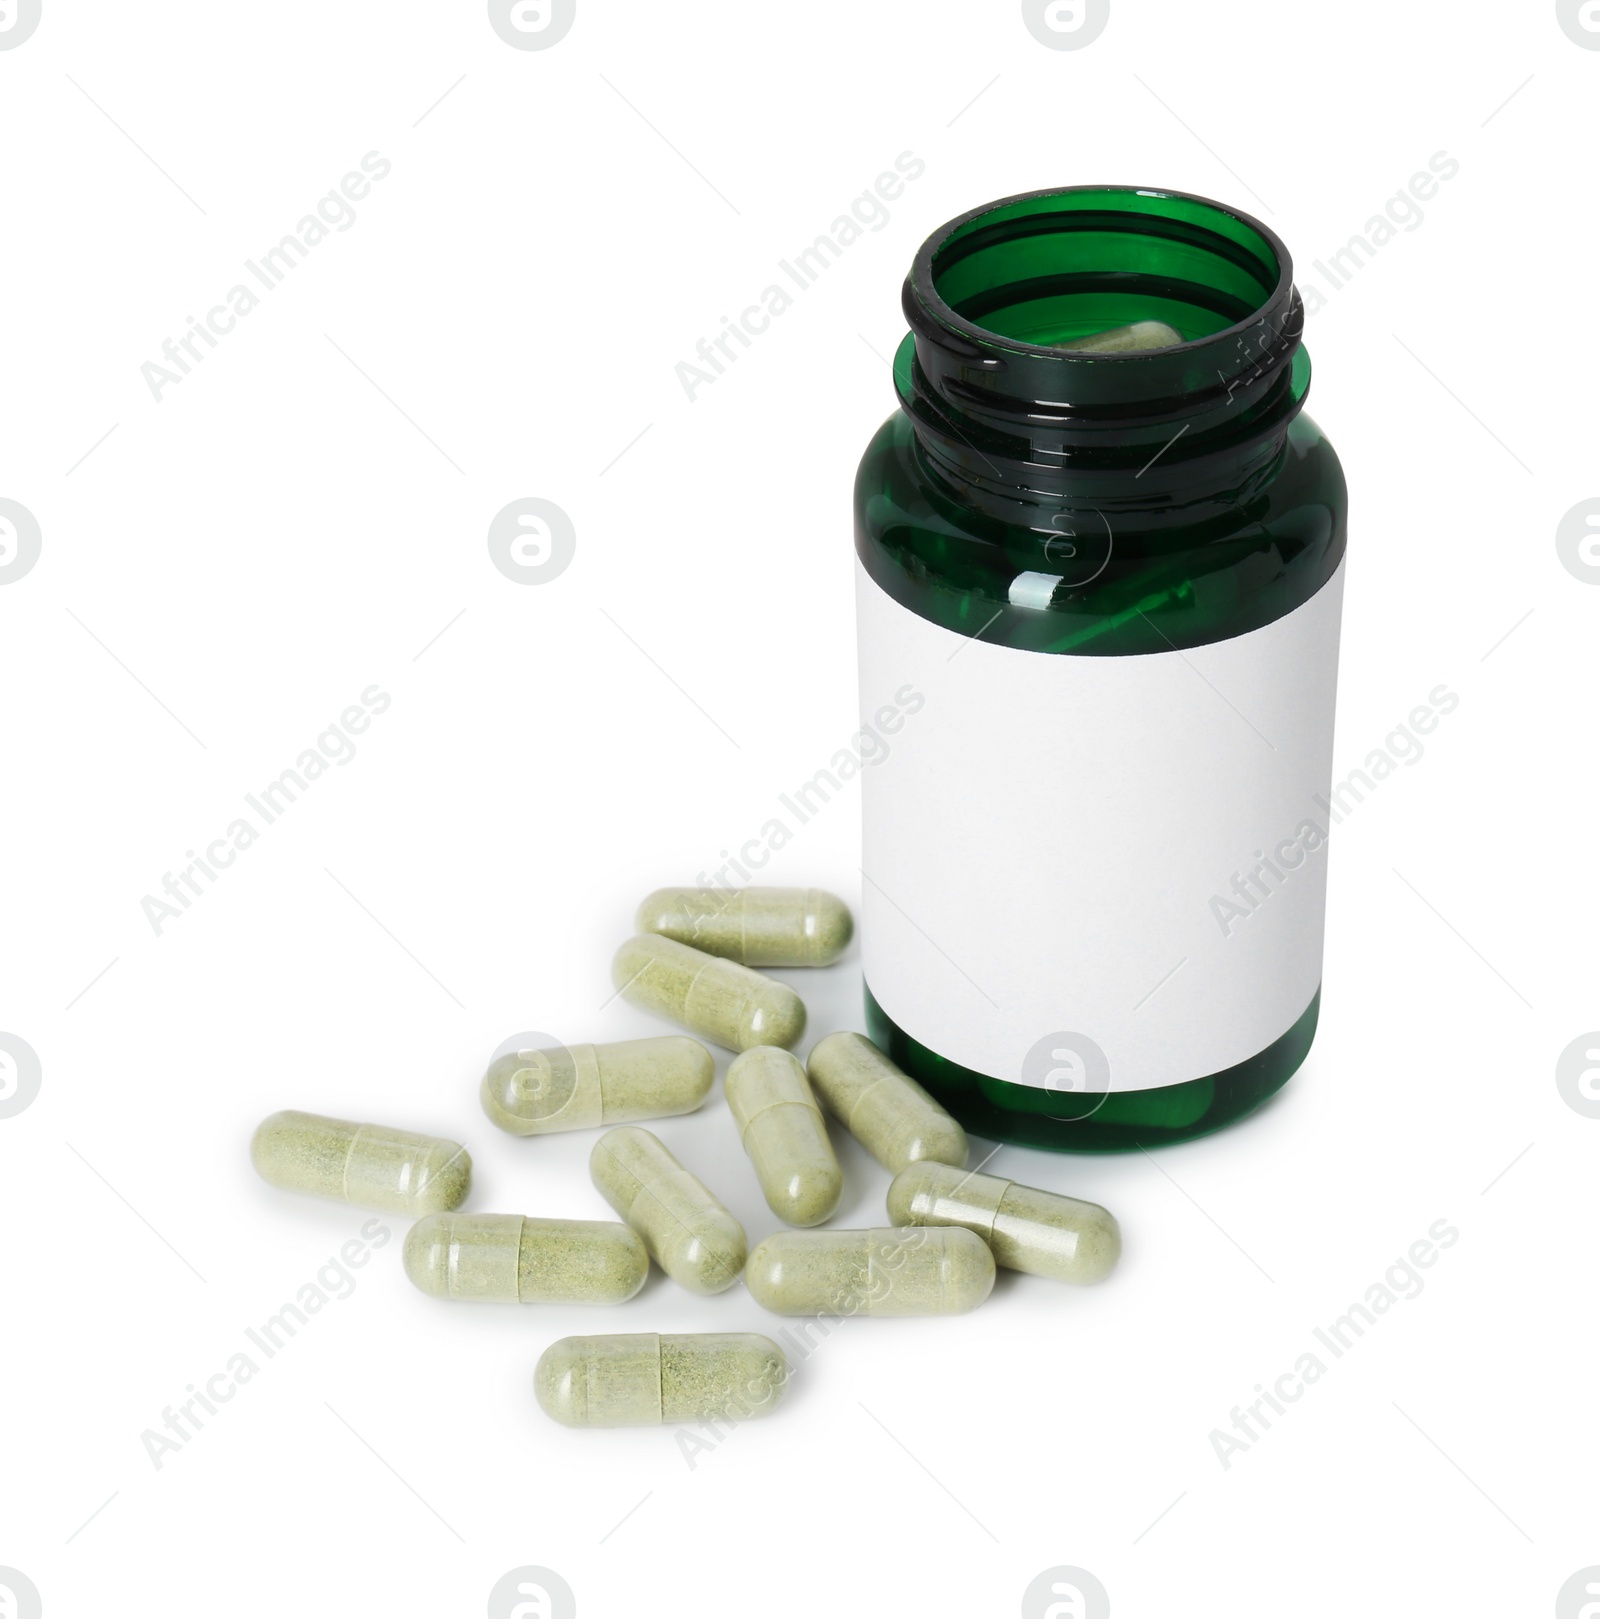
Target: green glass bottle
x=1098 y=598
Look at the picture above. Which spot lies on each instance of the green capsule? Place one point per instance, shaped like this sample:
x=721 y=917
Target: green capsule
x=720 y=999
x=887 y=1111
x=636 y=1379
x=1134 y=339
x=760 y=927
x=514 y=1259
x=366 y=1164
x=912 y=1270
x=1027 y=1229
x=785 y=1135
x=533 y=1093
x=688 y=1233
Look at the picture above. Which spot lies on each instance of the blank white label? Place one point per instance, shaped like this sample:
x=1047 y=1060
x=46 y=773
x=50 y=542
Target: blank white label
x=1064 y=846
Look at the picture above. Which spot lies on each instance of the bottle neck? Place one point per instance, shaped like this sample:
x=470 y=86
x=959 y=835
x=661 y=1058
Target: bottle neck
x=1023 y=429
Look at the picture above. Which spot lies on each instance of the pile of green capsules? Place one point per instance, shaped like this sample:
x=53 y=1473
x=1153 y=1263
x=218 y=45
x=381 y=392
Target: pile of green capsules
x=693 y=961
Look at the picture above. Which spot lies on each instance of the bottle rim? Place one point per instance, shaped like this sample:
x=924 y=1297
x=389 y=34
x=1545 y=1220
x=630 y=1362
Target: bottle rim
x=994 y=292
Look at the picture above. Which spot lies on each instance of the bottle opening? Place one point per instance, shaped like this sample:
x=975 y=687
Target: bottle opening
x=1058 y=267
x=994 y=296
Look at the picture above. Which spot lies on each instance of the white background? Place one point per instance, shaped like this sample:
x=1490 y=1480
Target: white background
x=231 y=567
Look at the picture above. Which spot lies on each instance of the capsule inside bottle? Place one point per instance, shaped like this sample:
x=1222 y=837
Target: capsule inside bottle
x=1132 y=339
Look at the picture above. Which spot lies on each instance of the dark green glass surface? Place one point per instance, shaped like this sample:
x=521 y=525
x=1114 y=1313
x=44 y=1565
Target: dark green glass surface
x=1233 y=566
x=1179 y=497
x=1118 y=1121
